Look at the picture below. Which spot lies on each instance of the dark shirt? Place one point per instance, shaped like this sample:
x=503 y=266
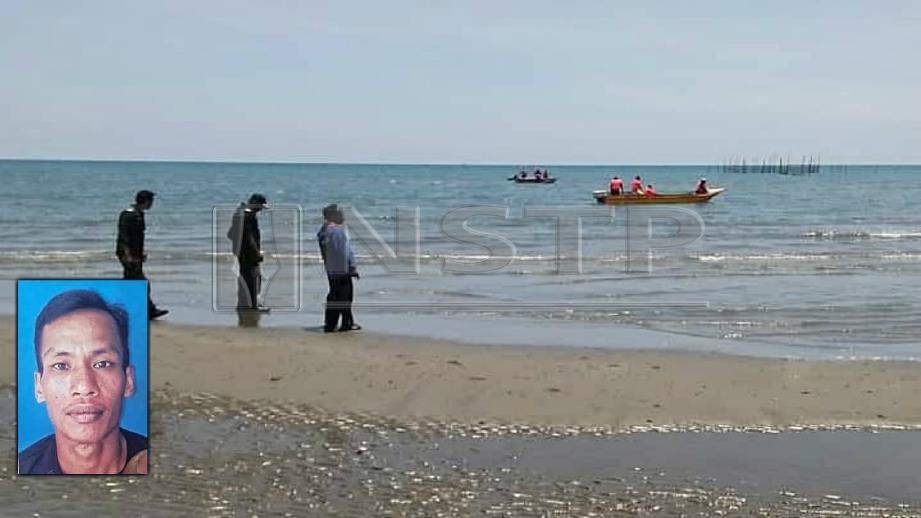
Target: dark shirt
x=247 y=240
x=42 y=457
x=131 y=229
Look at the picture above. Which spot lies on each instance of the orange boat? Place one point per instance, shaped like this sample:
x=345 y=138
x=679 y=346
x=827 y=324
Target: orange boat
x=640 y=199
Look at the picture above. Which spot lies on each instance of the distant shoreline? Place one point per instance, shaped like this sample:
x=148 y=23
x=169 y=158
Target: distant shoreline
x=524 y=163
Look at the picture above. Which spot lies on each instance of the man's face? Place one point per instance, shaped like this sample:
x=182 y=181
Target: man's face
x=83 y=381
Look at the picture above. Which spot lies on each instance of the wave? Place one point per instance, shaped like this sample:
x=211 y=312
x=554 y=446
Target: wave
x=808 y=257
x=69 y=256
x=742 y=259
x=779 y=256
x=55 y=256
x=861 y=234
x=23 y=257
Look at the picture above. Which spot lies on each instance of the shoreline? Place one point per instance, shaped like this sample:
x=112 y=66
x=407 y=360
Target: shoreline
x=413 y=379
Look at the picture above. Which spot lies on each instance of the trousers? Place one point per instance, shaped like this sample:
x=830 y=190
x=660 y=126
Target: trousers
x=248 y=285
x=134 y=270
x=339 y=302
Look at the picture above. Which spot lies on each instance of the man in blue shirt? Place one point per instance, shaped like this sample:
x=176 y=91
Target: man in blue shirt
x=339 y=260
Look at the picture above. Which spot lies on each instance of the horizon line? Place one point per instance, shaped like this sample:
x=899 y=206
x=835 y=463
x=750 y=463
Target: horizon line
x=471 y=164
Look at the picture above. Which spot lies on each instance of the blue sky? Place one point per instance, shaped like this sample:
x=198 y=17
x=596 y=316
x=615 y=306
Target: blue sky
x=475 y=82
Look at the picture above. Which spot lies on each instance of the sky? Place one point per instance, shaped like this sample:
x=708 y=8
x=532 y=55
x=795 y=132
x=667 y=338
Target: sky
x=516 y=82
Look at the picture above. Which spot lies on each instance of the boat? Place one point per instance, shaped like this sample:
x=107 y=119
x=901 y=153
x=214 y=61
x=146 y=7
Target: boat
x=531 y=179
x=639 y=199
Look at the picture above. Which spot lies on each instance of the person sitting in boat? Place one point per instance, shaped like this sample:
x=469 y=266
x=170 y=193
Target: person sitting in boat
x=702 y=187
x=617 y=186
x=522 y=174
x=546 y=174
x=636 y=186
x=650 y=192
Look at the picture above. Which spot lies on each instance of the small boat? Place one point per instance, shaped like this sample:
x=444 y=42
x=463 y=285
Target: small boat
x=531 y=179
x=640 y=199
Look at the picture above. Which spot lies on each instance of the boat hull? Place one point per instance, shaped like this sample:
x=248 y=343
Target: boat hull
x=659 y=199
x=533 y=180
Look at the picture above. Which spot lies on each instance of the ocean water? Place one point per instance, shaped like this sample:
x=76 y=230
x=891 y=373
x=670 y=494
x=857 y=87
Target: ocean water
x=825 y=265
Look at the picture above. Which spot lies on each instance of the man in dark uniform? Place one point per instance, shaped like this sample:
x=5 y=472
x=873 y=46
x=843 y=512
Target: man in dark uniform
x=247 y=246
x=130 y=245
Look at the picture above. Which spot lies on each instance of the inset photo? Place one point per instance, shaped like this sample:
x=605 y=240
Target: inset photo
x=82 y=377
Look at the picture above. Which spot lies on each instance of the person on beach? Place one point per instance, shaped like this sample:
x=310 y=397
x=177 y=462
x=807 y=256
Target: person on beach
x=617 y=186
x=650 y=192
x=247 y=246
x=83 y=373
x=636 y=186
x=702 y=187
x=339 y=261
x=129 y=246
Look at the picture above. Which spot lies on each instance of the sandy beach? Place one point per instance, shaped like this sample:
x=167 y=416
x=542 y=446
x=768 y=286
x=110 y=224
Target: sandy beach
x=415 y=379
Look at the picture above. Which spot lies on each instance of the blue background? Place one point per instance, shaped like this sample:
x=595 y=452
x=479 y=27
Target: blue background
x=32 y=295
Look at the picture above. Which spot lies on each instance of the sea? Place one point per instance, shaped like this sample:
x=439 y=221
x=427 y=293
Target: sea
x=815 y=266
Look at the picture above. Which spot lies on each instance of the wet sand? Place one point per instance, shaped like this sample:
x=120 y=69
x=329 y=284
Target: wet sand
x=409 y=379
x=294 y=422
x=218 y=456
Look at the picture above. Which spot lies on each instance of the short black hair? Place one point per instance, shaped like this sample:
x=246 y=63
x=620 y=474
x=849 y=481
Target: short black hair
x=332 y=212
x=144 y=196
x=78 y=300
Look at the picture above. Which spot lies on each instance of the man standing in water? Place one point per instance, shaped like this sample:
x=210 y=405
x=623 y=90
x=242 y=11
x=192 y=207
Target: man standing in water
x=247 y=246
x=130 y=245
x=339 y=260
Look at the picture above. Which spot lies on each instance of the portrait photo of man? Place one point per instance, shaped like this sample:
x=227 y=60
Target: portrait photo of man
x=82 y=377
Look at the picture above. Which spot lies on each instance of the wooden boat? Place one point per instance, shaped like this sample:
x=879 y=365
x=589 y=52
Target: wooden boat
x=531 y=179
x=634 y=199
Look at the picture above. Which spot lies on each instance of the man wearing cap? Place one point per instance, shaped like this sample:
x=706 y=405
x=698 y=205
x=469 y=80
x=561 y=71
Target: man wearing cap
x=130 y=245
x=247 y=246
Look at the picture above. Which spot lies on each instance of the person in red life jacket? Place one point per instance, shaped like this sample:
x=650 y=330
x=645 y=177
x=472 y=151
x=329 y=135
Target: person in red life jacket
x=617 y=186
x=650 y=192
x=702 y=187
x=636 y=186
